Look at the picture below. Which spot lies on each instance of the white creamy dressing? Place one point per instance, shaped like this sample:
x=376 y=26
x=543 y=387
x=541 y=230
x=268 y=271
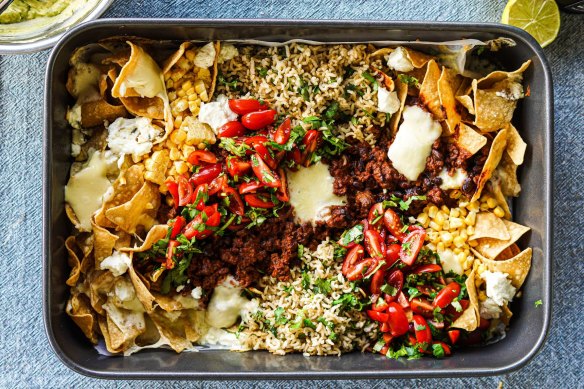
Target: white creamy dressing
x=86 y=189
x=133 y=137
x=216 y=113
x=454 y=181
x=449 y=262
x=387 y=101
x=413 y=142
x=399 y=61
x=311 y=193
x=118 y=263
x=226 y=305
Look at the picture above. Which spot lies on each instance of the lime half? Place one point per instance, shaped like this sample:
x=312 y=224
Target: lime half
x=540 y=18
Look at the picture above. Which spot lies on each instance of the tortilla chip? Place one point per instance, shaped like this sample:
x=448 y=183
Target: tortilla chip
x=156 y=233
x=124 y=188
x=387 y=80
x=469 y=320
x=517 y=267
x=495 y=154
x=492 y=248
x=214 y=74
x=508 y=253
x=417 y=58
x=382 y=52
x=467 y=102
x=122 y=333
x=73 y=260
x=97 y=142
x=402 y=94
x=448 y=83
x=494 y=188
x=79 y=309
x=100 y=283
x=104 y=243
x=156 y=166
x=173 y=330
x=506 y=172
x=469 y=140
x=142 y=291
x=95 y=113
x=515 y=145
x=173 y=59
x=149 y=107
x=429 y=90
x=139 y=211
x=497 y=76
x=124 y=240
x=490 y=226
x=493 y=112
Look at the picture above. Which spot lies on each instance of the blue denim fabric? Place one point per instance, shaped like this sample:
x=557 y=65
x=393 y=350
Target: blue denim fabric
x=25 y=355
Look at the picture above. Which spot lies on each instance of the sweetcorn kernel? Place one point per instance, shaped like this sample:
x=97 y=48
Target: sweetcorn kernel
x=190 y=54
x=446 y=237
x=440 y=247
x=178 y=136
x=482 y=296
x=181 y=167
x=454 y=212
x=474 y=206
x=491 y=202
x=459 y=241
x=470 y=230
x=174 y=154
x=470 y=219
x=446 y=225
x=499 y=212
x=423 y=219
x=435 y=226
x=456 y=222
x=432 y=211
x=445 y=209
x=473 y=243
x=440 y=218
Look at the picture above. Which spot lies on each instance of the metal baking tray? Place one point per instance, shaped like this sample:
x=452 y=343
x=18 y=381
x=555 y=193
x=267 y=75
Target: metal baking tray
x=534 y=118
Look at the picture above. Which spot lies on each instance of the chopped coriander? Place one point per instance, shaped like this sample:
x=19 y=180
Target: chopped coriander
x=538 y=303
x=390 y=290
x=322 y=286
x=262 y=72
x=352 y=235
x=279 y=316
x=300 y=251
x=438 y=350
x=371 y=79
x=379 y=345
x=409 y=80
x=305 y=280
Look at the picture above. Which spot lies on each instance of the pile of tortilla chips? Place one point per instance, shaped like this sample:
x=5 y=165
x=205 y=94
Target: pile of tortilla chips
x=111 y=80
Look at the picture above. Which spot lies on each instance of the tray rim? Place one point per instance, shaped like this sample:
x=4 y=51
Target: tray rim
x=548 y=162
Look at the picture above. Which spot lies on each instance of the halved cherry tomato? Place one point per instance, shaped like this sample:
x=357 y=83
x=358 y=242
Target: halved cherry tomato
x=395 y=279
x=185 y=191
x=384 y=328
x=310 y=142
x=194 y=229
x=172 y=244
x=217 y=184
x=375 y=217
x=484 y=324
x=422 y=307
x=237 y=167
x=173 y=190
x=393 y=223
x=430 y=268
x=446 y=295
x=391 y=254
x=258 y=119
x=378 y=316
x=411 y=246
x=282 y=192
x=196 y=157
x=282 y=133
x=231 y=130
x=256 y=201
x=235 y=203
x=295 y=155
x=243 y=106
x=362 y=269
x=403 y=301
x=264 y=173
x=387 y=338
x=264 y=153
x=422 y=330
x=398 y=321
x=445 y=347
x=374 y=244
x=177 y=226
x=250 y=187
x=377 y=282
x=450 y=310
x=202 y=195
x=380 y=305
x=354 y=255
x=453 y=335
x=256 y=139
x=206 y=174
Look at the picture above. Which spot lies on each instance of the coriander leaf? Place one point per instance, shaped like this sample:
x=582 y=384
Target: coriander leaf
x=409 y=80
x=538 y=303
x=390 y=290
x=305 y=280
x=322 y=286
x=300 y=251
x=352 y=235
x=379 y=345
x=438 y=350
x=279 y=316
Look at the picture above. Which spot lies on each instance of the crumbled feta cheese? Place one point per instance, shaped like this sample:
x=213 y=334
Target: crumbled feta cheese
x=217 y=113
x=450 y=262
x=179 y=288
x=75 y=150
x=205 y=56
x=399 y=61
x=387 y=101
x=512 y=91
x=74 y=116
x=118 y=263
x=499 y=287
x=133 y=137
x=197 y=293
x=227 y=52
x=489 y=309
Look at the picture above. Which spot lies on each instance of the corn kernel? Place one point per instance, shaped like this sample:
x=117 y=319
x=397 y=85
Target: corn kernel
x=186 y=86
x=178 y=136
x=454 y=233
x=459 y=241
x=454 y=212
x=174 y=154
x=181 y=93
x=474 y=206
x=446 y=237
x=499 y=212
x=169 y=85
x=149 y=163
x=470 y=219
x=491 y=202
x=473 y=243
x=463 y=212
x=461 y=258
x=423 y=218
x=183 y=63
x=435 y=226
x=204 y=96
x=445 y=209
x=432 y=211
x=181 y=167
x=432 y=236
x=187 y=150
x=440 y=218
x=482 y=296
x=463 y=235
x=463 y=204
x=163 y=189
x=440 y=247
x=470 y=230
x=456 y=222
x=190 y=54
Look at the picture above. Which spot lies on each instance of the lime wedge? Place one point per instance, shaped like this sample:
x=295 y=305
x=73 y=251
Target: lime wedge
x=540 y=18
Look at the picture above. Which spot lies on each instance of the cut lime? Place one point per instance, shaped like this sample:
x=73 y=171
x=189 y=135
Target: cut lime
x=540 y=18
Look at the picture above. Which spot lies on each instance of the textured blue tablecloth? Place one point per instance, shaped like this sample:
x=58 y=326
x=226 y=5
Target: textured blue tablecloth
x=25 y=356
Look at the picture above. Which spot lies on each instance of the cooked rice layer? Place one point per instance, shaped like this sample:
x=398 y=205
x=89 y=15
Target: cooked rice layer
x=301 y=81
x=300 y=315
